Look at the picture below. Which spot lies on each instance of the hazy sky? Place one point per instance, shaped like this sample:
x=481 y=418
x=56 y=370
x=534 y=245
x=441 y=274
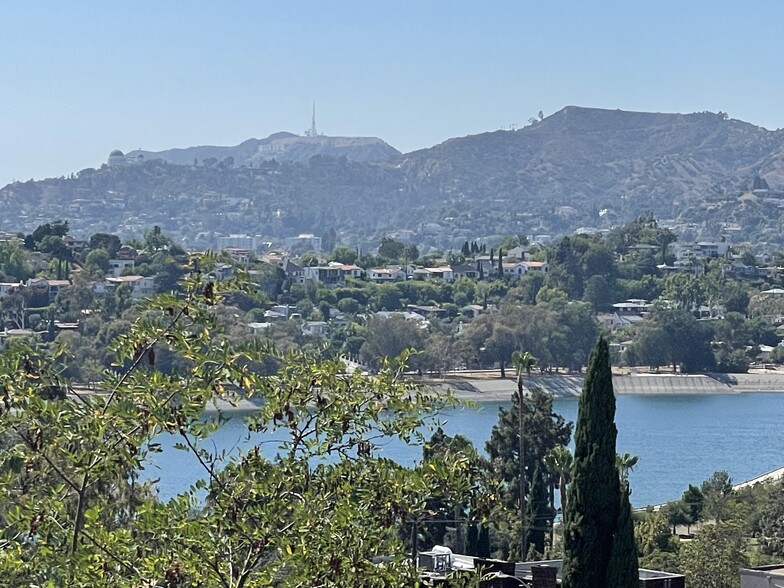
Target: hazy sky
x=78 y=79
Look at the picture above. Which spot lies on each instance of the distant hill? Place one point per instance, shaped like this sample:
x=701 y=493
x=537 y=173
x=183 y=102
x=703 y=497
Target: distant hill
x=281 y=147
x=579 y=169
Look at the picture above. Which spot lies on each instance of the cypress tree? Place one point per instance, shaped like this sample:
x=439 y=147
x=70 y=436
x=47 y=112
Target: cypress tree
x=540 y=515
x=594 y=495
x=624 y=570
x=500 y=263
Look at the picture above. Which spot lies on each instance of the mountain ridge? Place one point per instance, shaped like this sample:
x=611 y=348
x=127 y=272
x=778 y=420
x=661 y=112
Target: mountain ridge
x=578 y=168
x=283 y=146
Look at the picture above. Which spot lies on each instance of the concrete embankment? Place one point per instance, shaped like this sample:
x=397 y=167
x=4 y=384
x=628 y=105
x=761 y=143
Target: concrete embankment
x=490 y=389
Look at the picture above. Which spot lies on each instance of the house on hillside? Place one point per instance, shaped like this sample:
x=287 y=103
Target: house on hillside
x=304 y=242
x=348 y=270
x=427 y=311
x=47 y=289
x=434 y=273
x=141 y=286
x=537 y=266
x=465 y=271
x=294 y=273
x=8 y=287
x=118 y=266
x=330 y=276
x=629 y=312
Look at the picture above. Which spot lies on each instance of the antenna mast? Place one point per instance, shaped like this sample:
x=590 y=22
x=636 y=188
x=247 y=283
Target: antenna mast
x=312 y=132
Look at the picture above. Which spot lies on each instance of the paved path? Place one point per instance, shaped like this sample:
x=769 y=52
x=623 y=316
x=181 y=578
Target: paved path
x=766 y=477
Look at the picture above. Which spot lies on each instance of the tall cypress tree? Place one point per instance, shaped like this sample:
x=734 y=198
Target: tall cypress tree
x=540 y=515
x=594 y=495
x=623 y=571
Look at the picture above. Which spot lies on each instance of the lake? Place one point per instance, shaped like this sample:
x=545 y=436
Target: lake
x=679 y=440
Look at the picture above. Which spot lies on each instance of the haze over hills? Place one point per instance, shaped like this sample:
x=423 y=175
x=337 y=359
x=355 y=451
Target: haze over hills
x=579 y=168
x=282 y=147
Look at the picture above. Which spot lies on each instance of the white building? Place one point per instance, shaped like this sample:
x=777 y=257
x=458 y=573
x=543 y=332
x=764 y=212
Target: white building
x=304 y=242
x=237 y=241
x=119 y=265
x=141 y=286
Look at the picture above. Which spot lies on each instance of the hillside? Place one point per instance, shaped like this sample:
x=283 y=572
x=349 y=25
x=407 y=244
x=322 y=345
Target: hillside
x=579 y=168
x=281 y=147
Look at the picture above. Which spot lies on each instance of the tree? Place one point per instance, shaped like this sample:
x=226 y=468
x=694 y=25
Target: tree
x=58 y=228
x=623 y=567
x=14 y=262
x=654 y=537
x=716 y=491
x=713 y=558
x=387 y=338
x=694 y=501
x=772 y=522
x=391 y=249
x=593 y=555
x=318 y=509
x=98 y=259
x=542 y=429
x=559 y=464
x=109 y=243
x=410 y=252
x=344 y=255
x=540 y=513
x=155 y=240
x=524 y=362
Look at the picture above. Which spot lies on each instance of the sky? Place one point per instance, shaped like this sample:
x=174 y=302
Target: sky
x=79 y=78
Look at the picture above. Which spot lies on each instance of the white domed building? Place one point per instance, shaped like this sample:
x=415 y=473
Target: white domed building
x=116 y=157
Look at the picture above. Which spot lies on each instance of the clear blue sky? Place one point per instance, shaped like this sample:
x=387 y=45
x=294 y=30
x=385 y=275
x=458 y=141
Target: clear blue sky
x=78 y=78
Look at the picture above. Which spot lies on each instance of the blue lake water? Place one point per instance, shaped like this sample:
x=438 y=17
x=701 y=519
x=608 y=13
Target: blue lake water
x=679 y=440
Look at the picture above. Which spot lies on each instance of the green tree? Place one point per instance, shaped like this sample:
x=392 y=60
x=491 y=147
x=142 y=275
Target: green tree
x=654 y=537
x=344 y=255
x=694 y=501
x=543 y=430
x=559 y=463
x=155 y=240
x=540 y=514
x=623 y=567
x=14 y=262
x=391 y=249
x=595 y=494
x=387 y=338
x=716 y=492
x=109 y=243
x=772 y=522
x=713 y=558
x=98 y=259
x=321 y=509
x=349 y=306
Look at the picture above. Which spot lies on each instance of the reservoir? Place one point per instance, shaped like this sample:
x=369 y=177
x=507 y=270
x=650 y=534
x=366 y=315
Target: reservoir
x=679 y=440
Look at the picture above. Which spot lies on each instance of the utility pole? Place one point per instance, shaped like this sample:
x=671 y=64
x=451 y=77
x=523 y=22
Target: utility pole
x=520 y=415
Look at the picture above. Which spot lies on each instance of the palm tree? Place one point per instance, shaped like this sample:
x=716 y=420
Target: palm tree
x=522 y=360
x=559 y=463
x=625 y=463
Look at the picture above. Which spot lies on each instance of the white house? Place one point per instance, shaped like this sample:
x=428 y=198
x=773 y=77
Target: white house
x=8 y=287
x=389 y=273
x=141 y=286
x=117 y=266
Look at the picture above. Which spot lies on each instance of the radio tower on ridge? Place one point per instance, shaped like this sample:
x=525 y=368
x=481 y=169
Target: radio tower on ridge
x=312 y=132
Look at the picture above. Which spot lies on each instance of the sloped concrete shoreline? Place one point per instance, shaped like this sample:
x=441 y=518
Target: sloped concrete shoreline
x=487 y=389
